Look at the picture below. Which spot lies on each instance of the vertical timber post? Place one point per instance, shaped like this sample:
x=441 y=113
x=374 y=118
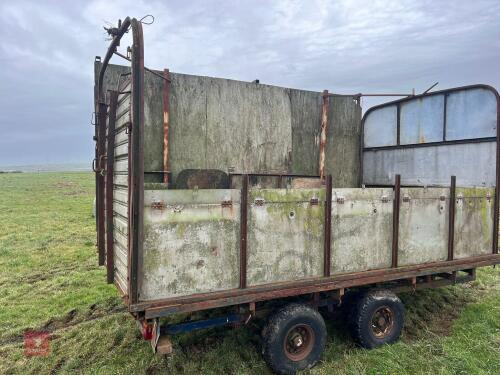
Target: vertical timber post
x=395 y=221
x=110 y=161
x=451 y=224
x=243 y=231
x=324 y=129
x=166 y=123
x=328 y=227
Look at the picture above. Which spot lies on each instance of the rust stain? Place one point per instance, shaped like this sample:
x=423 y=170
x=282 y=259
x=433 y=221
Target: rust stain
x=324 y=128
x=166 y=123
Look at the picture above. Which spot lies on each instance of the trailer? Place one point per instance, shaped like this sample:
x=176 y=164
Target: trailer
x=243 y=200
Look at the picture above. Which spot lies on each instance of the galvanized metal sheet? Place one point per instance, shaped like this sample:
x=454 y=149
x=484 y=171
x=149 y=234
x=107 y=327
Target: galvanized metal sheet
x=472 y=163
x=423 y=225
x=361 y=229
x=380 y=127
x=473 y=222
x=422 y=120
x=471 y=114
x=191 y=242
x=285 y=235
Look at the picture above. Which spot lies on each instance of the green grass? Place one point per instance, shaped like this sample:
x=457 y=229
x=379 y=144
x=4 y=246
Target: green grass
x=49 y=281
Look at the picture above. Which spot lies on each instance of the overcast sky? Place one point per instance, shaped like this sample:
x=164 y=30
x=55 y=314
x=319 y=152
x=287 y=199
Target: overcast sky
x=47 y=49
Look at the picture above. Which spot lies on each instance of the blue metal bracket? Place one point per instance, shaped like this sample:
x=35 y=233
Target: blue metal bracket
x=201 y=324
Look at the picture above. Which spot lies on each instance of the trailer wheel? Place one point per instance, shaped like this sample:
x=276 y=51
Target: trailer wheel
x=293 y=339
x=378 y=319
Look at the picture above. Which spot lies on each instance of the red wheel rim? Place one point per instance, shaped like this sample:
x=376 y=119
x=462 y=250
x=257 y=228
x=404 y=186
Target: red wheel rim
x=299 y=342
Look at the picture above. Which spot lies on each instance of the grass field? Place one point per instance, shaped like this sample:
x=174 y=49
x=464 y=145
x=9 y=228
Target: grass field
x=49 y=281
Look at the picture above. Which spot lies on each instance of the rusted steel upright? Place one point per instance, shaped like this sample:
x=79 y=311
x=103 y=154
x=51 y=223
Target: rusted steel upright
x=137 y=159
x=100 y=134
x=166 y=123
x=497 y=184
x=324 y=130
x=395 y=221
x=451 y=224
x=101 y=139
x=328 y=226
x=243 y=231
x=110 y=161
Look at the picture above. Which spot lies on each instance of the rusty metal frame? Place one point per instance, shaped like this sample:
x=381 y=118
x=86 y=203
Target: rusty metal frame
x=323 y=135
x=459 y=141
x=243 y=232
x=137 y=161
x=451 y=218
x=136 y=148
x=100 y=135
x=100 y=153
x=166 y=124
x=395 y=221
x=110 y=160
x=328 y=227
x=205 y=301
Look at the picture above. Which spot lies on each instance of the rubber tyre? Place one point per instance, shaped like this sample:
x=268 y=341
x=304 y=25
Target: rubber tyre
x=276 y=331
x=361 y=323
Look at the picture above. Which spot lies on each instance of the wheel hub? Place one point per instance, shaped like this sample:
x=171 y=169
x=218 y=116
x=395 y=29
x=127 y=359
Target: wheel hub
x=299 y=342
x=382 y=322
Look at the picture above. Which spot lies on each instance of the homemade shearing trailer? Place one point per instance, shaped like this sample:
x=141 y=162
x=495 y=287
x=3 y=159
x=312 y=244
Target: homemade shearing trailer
x=215 y=193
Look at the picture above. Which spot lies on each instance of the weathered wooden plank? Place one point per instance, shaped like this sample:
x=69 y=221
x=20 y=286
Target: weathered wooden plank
x=120 y=195
x=121 y=165
x=121 y=251
x=124 y=101
x=121 y=149
x=120 y=224
x=120 y=238
x=120 y=179
x=193 y=248
x=306 y=118
x=423 y=225
x=121 y=136
x=120 y=208
x=285 y=235
x=258 y=119
x=361 y=229
x=473 y=222
x=123 y=122
x=343 y=142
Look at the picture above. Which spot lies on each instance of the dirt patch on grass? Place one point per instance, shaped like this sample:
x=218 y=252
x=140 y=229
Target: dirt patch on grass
x=434 y=311
x=71 y=319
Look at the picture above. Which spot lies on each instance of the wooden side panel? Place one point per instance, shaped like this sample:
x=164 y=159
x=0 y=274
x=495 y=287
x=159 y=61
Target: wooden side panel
x=120 y=188
x=423 y=225
x=191 y=242
x=473 y=222
x=361 y=229
x=285 y=234
x=343 y=142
